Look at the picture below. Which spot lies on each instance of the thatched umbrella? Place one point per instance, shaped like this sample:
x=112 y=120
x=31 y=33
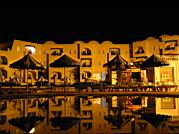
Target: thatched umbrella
x=27 y=62
x=119 y=122
x=155 y=119
x=118 y=63
x=64 y=123
x=152 y=62
x=26 y=123
x=65 y=61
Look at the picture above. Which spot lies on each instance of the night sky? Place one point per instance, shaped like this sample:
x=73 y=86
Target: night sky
x=66 y=25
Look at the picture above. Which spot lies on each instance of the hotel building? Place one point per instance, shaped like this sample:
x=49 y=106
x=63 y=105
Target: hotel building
x=166 y=47
x=92 y=56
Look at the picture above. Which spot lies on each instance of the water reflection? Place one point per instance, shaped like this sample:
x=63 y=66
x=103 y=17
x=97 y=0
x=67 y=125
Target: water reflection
x=26 y=124
x=88 y=114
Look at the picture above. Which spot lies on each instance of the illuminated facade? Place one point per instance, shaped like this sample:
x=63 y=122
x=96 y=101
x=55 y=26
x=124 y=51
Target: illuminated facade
x=167 y=48
x=91 y=55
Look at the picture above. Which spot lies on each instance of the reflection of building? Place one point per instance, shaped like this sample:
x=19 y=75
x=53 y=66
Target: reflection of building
x=90 y=110
x=167 y=106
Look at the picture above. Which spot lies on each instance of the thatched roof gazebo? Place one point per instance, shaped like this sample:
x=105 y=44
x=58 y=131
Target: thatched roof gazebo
x=64 y=123
x=154 y=61
x=117 y=64
x=65 y=61
x=26 y=123
x=149 y=65
x=25 y=63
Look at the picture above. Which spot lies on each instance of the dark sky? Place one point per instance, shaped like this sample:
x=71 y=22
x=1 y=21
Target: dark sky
x=66 y=25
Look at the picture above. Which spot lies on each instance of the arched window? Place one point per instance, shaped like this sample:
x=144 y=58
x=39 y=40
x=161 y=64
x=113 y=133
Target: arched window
x=86 y=51
x=139 y=50
x=56 y=51
x=3 y=60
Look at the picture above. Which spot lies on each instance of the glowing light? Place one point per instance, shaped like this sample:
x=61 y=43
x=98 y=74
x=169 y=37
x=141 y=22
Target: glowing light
x=96 y=100
x=96 y=76
x=31 y=49
x=114 y=101
x=133 y=119
x=32 y=131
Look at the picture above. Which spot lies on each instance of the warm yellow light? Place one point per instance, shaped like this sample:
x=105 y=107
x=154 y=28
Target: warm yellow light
x=32 y=131
x=96 y=100
x=31 y=49
x=114 y=101
x=96 y=76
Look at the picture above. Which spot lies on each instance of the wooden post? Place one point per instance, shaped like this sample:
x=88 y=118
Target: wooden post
x=47 y=67
x=108 y=70
x=64 y=80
